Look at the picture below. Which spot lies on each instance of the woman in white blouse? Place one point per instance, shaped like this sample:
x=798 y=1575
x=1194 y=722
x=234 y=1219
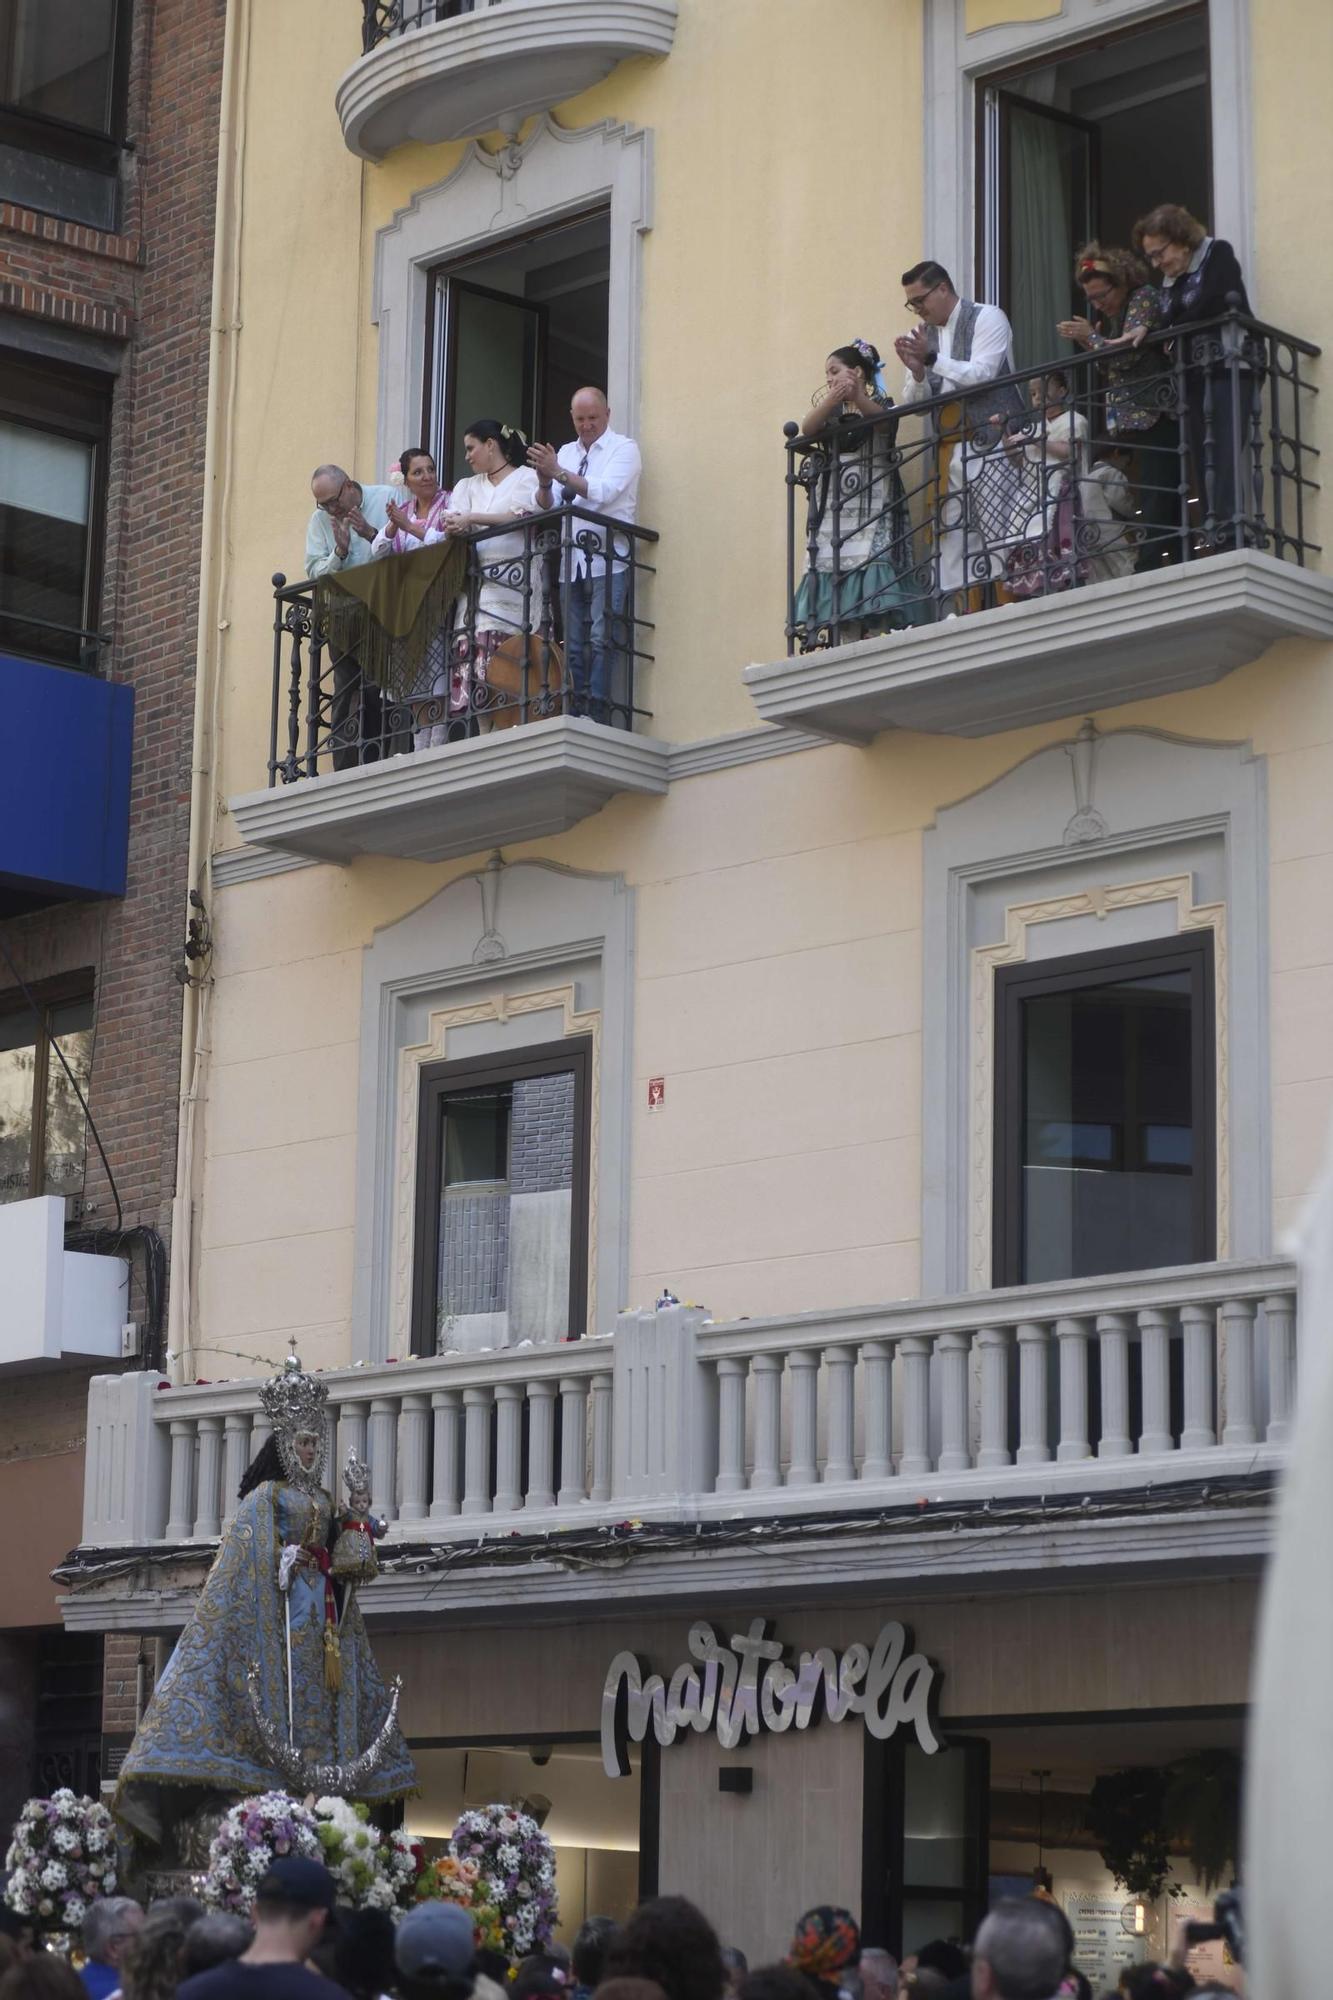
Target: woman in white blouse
x=504 y=592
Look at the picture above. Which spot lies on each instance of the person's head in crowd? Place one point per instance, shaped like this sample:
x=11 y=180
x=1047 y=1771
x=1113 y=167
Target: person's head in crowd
x=1022 y=1951
x=1107 y=277
x=217 y=1936
x=542 y=1976
x=590 y=1948
x=737 y=1965
x=879 y=1973
x=628 y=1989
x=42 y=1975
x=489 y=446
x=417 y=466
x=19 y=1931
x=1049 y=392
x=826 y=1943
x=1168 y=236
x=357 y=1952
x=334 y=491
x=590 y=414
x=1076 y=1985
x=154 y=1958
x=859 y=358
x=776 y=1982
x=108 y=1927
x=293 y=1905
x=668 y=1940
x=935 y=1968
x=1154 y=1982
x=184 y=1910
x=928 y=292
x=435 y=1954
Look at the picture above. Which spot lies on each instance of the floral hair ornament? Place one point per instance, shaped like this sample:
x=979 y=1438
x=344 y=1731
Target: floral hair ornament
x=1095 y=267
x=394 y=476
x=508 y=431
x=874 y=368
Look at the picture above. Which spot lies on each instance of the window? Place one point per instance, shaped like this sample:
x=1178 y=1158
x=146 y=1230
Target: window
x=502 y=1197
x=68 y=1720
x=53 y=433
x=42 y=1127
x=1081 y=146
x=515 y=332
x=63 y=66
x=1104 y=1113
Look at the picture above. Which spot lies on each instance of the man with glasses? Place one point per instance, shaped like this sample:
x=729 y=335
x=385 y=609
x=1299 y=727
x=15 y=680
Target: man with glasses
x=346 y=520
x=958 y=350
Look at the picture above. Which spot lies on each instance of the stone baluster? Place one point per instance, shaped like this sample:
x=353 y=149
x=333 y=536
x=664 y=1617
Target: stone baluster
x=384 y=1456
x=1072 y=1335
x=603 y=1389
x=952 y=1349
x=414 y=1456
x=1155 y=1340
x=1113 y=1330
x=573 y=1440
x=803 y=1364
x=840 y=1461
x=352 y=1427
x=180 y=1518
x=208 y=1503
x=731 y=1376
x=1280 y=1319
x=877 y=1397
x=541 y=1444
x=477 y=1451
x=508 y=1446
x=1034 y=1347
x=235 y=1458
x=767 y=1472
x=1237 y=1317
x=261 y=1430
x=915 y=1459
x=447 y=1416
x=1197 y=1326
x=992 y=1345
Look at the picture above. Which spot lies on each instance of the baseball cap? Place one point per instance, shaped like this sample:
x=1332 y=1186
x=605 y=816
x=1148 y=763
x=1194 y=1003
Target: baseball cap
x=435 y=1937
x=294 y=1879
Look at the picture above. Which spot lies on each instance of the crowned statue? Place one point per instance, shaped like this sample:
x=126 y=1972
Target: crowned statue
x=273 y=1685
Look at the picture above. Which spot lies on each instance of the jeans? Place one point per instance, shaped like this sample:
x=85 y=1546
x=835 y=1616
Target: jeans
x=597 y=639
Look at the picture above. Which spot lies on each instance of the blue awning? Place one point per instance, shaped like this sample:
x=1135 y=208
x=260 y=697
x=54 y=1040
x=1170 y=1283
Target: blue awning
x=65 y=749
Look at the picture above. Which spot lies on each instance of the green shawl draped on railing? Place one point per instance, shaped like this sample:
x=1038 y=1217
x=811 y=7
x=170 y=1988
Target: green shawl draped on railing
x=387 y=614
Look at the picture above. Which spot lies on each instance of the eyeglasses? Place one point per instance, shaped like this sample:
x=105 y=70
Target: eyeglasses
x=917 y=304
x=329 y=505
x=1156 y=256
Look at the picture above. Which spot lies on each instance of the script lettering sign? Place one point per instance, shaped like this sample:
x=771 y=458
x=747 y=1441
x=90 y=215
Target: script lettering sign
x=753 y=1684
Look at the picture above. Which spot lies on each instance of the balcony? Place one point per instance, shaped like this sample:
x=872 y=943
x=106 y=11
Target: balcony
x=425 y=723
x=60 y=1305
x=64 y=785
x=965 y=573
x=1121 y=1392
x=450 y=69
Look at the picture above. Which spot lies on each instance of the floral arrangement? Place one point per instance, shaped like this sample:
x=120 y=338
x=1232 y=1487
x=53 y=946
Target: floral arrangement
x=371 y=1873
x=250 y=1838
x=514 y=1879
x=62 y=1858
x=454 y=1881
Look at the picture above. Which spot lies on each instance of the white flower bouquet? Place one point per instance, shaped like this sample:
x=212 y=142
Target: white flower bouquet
x=515 y=1866
x=251 y=1837
x=61 y=1858
x=372 y=1873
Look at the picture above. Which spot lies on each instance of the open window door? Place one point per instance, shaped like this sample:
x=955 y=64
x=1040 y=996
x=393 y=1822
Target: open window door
x=494 y=355
x=1045 y=166
x=926 y=1841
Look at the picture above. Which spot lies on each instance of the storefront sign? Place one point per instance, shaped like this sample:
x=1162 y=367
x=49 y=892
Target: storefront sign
x=752 y=1685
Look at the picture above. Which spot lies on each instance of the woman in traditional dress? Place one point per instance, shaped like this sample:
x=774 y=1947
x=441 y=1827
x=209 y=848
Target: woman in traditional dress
x=504 y=599
x=857 y=521
x=271 y=1649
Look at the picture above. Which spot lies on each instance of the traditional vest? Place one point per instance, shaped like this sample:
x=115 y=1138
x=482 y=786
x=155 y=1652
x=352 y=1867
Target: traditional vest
x=993 y=399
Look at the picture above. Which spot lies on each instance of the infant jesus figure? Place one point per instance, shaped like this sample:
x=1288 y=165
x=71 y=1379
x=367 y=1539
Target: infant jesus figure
x=354 y=1559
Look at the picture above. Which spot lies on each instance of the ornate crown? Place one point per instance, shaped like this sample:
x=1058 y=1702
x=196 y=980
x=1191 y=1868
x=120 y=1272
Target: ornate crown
x=294 y=1401
x=356 y=1475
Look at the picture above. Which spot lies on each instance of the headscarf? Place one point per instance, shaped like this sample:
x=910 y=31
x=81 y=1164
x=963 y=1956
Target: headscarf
x=827 y=1941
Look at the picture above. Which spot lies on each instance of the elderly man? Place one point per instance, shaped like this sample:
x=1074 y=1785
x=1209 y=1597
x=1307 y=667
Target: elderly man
x=346 y=520
x=108 y=1927
x=1022 y=1951
x=602 y=469
x=879 y=1973
x=959 y=349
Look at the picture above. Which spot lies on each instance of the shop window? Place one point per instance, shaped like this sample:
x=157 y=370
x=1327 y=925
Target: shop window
x=63 y=71
x=502 y=1200
x=1079 y=147
x=1104 y=1114
x=67 y=1749
x=43 y=1134
x=53 y=436
x=514 y=331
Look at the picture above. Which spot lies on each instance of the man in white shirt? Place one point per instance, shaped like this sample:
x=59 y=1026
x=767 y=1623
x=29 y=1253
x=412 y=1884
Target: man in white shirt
x=346 y=520
x=959 y=349
x=601 y=468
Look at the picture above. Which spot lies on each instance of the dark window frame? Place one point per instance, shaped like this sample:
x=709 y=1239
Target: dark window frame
x=62 y=400
x=1191 y=952
x=96 y=147
x=441 y=1080
x=67 y=988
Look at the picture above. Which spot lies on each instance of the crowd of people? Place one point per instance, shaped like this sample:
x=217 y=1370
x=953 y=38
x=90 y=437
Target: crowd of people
x=1012 y=493
x=301 y=1946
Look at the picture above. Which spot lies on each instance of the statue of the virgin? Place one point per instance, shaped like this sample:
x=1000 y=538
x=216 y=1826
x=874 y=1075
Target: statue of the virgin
x=272 y=1685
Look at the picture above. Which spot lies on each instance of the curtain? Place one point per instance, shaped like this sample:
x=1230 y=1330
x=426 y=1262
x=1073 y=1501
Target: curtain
x=1045 y=156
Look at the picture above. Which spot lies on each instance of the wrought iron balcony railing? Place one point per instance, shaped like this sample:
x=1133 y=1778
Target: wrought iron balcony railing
x=1049 y=480
x=382 y=18
x=517 y=642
